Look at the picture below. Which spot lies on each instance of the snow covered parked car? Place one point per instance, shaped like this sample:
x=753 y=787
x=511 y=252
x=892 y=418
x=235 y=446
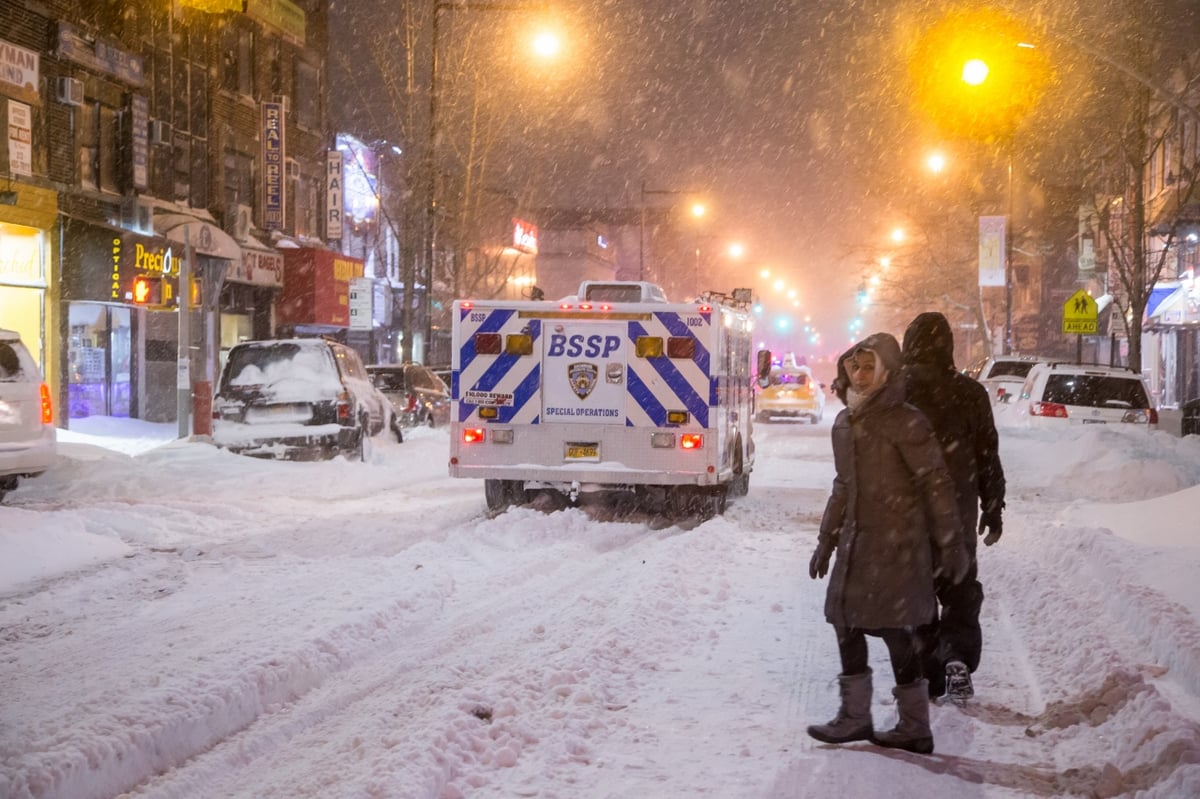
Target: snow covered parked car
x=1057 y=393
x=298 y=399
x=28 y=438
x=1003 y=375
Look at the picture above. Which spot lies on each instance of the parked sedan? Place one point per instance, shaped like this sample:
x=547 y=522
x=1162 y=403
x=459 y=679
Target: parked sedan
x=418 y=396
x=28 y=438
x=298 y=399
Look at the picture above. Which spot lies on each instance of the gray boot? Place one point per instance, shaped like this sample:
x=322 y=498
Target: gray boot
x=911 y=732
x=853 y=719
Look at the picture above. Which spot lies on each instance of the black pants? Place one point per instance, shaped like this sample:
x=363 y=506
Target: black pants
x=955 y=634
x=903 y=649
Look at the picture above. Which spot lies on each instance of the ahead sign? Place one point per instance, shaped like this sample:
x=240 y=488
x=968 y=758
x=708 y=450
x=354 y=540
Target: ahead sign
x=1079 y=314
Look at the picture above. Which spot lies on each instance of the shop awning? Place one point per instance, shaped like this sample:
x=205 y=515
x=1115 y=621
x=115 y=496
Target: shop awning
x=205 y=237
x=1181 y=308
x=1158 y=294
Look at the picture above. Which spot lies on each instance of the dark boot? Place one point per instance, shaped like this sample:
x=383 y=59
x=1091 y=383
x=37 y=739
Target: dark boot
x=911 y=732
x=853 y=719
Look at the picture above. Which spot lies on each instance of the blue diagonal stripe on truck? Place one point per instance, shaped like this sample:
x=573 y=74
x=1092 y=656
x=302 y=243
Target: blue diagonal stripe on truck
x=677 y=327
x=683 y=390
x=640 y=393
x=493 y=323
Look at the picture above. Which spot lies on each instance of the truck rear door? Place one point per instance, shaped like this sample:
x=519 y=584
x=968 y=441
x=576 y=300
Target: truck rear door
x=584 y=372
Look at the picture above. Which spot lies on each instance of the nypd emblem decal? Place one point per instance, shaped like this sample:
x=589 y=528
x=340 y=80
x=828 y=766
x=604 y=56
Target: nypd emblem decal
x=582 y=377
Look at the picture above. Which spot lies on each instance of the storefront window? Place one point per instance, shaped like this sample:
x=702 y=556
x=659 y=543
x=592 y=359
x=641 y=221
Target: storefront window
x=98 y=356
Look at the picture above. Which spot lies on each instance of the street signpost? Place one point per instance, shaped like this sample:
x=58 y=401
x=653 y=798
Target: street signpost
x=1079 y=316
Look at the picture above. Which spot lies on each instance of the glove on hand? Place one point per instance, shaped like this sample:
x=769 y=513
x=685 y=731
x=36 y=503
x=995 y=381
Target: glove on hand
x=953 y=563
x=990 y=522
x=819 y=565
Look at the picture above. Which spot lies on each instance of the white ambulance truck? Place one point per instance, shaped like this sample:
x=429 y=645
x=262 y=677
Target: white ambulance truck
x=614 y=389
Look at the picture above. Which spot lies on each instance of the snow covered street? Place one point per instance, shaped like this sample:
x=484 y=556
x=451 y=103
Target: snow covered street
x=177 y=621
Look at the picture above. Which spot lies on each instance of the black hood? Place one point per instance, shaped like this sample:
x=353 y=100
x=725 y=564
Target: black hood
x=929 y=341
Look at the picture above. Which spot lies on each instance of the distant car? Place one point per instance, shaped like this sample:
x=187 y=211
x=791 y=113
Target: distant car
x=1003 y=375
x=28 y=438
x=1055 y=393
x=418 y=395
x=792 y=392
x=298 y=399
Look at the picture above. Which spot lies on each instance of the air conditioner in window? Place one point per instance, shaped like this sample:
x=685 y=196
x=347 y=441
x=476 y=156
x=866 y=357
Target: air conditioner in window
x=70 y=91
x=137 y=214
x=160 y=132
x=241 y=219
x=292 y=167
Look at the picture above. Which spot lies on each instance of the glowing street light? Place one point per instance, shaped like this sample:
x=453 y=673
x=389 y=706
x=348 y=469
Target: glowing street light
x=974 y=71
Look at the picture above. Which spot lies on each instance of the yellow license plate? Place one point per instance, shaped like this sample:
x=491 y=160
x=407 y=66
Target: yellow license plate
x=578 y=452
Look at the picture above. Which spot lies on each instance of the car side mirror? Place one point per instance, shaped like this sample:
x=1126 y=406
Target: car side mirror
x=764 y=368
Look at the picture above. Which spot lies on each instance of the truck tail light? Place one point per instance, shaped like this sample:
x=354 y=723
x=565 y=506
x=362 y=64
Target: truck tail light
x=47 y=406
x=472 y=435
x=345 y=408
x=691 y=441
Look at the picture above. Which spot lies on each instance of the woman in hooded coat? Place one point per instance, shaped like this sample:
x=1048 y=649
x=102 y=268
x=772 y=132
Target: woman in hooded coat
x=891 y=509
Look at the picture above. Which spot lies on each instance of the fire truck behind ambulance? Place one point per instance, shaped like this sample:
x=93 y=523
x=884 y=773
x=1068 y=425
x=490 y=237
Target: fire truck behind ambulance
x=614 y=389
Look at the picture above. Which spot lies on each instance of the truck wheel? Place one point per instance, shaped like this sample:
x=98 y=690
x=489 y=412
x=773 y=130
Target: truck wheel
x=739 y=486
x=501 y=495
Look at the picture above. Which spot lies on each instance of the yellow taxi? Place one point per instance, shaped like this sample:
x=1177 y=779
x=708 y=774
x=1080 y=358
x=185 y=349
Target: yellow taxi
x=792 y=391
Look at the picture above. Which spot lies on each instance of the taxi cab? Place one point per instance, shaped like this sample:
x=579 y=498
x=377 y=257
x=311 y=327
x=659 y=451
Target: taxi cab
x=792 y=391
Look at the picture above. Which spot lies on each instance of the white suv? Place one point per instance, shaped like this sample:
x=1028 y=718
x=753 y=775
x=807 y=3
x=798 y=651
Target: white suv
x=28 y=438
x=1084 y=394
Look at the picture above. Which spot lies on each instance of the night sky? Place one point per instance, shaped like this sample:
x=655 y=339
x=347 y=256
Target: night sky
x=794 y=116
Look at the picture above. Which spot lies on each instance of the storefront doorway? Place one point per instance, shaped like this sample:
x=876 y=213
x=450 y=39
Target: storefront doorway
x=99 y=358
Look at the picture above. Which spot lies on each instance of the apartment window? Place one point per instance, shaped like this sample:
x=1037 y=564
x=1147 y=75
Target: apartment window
x=237 y=60
x=87 y=126
x=108 y=138
x=308 y=97
x=239 y=180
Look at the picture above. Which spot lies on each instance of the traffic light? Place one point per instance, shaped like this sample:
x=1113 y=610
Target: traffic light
x=147 y=290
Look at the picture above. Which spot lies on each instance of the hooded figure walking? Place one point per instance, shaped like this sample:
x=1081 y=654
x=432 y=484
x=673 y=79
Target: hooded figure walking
x=961 y=414
x=890 y=516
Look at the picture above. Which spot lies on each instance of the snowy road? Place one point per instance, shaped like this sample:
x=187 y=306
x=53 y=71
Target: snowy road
x=363 y=630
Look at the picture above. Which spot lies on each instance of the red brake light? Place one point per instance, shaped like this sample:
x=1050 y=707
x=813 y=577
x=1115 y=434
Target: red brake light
x=566 y=306
x=467 y=305
x=1153 y=416
x=47 y=406
x=410 y=403
x=344 y=406
x=472 y=435
x=1048 y=409
x=585 y=306
x=691 y=441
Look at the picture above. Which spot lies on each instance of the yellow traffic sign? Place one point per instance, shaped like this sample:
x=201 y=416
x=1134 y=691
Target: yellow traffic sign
x=1079 y=314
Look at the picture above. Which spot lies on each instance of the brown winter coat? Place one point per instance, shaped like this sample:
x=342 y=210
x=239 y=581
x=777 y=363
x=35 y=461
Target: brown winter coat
x=892 y=504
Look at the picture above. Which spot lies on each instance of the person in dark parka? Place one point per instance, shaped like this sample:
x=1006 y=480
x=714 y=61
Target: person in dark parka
x=960 y=411
x=891 y=511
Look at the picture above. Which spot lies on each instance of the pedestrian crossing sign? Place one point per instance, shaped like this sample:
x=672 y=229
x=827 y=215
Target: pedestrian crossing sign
x=1079 y=314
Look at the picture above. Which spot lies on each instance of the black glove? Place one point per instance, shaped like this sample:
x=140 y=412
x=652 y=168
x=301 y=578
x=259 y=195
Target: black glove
x=953 y=563
x=990 y=522
x=819 y=565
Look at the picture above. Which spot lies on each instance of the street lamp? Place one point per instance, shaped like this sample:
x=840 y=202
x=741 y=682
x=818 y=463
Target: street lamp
x=698 y=210
x=545 y=44
x=975 y=73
